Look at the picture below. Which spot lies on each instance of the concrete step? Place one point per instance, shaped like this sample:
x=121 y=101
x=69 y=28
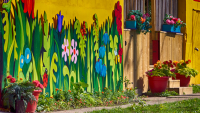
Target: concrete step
x=173 y=83
x=182 y=90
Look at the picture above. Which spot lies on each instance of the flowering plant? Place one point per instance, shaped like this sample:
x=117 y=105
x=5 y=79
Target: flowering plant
x=143 y=21
x=161 y=69
x=182 y=68
x=19 y=90
x=170 y=20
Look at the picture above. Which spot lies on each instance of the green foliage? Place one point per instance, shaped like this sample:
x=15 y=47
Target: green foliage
x=183 y=69
x=196 y=88
x=18 y=91
x=163 y=94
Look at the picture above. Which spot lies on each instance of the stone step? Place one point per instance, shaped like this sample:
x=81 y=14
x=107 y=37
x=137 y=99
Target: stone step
x=182 y=90
x=173 y=83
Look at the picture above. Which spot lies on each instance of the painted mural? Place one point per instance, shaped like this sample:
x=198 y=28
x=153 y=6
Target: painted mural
x=59 y=54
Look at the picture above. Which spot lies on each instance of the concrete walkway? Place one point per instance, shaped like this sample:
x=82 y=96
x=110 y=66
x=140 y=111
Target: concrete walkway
x=150 y=101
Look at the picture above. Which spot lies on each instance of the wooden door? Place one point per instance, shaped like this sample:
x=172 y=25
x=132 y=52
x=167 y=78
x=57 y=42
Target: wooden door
x=196 y=44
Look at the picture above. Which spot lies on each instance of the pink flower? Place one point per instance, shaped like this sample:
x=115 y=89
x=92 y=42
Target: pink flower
x=73 y=51
x=65 y=53
x=172 y=22
x=12 y=80
x=171 y=17
x=180 y=22
x=168 y=21
x=132 y=17
x=36 y=83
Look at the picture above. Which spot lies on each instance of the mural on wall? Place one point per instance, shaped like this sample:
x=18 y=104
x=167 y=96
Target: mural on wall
x=58 y=54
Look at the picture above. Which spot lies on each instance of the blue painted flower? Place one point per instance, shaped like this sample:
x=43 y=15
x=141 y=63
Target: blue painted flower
x=21 y=61
x=106 y=38
x=98 y=66
x=60 y=20
x=102 y=51
x=27 y=55
x=103 y=71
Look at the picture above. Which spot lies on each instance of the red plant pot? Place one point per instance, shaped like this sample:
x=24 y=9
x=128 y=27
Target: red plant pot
x=184 y=82
x=31 y=107
x=158 y=84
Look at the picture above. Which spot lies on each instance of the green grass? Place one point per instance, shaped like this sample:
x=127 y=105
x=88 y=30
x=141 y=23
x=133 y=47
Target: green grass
x=185 y=106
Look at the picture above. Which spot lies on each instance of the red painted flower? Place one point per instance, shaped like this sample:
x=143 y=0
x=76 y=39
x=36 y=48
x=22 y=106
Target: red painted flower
x=118 y=15
x=9 y=77
x=12 y=80
x=120 y=52
x=29 y=7
x=45 y=79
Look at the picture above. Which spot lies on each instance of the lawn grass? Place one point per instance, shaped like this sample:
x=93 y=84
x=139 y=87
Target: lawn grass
x=185 y=106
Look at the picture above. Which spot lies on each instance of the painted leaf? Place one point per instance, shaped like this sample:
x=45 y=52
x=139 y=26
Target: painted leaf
x=35 y=76
x=28 y=30
x=52 y=70
x=30 y=70
x=6 y=29
x=21 y=75
x=65 y=70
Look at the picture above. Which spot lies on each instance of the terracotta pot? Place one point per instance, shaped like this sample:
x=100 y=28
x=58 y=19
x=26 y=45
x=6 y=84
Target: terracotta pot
x=31 y=106
x=184 y=82
x=158 y=84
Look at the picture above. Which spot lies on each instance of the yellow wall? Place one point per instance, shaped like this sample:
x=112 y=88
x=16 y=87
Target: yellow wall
x=185 y=11
x=83 y=10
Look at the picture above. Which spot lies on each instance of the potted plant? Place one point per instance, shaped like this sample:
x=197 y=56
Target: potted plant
x=158 y=77
x=20 y=94
x=138 y=21
x=183 y=72
x=172 y=24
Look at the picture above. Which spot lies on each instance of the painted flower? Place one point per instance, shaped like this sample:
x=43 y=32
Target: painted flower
x=118 y=15
x=12 y=80
x=29 y=7
x=60 y=20
x=132 y=17
x=103 y=71
x=115 y=51
x=21 y=61
x=168 y=21
x=65 y=53
x=74 y=51
x=98 y=66
x=102 y=51
x=9 y=77
x=120 y=52
x=105 y=38
x=45 y=79
x=27 y=55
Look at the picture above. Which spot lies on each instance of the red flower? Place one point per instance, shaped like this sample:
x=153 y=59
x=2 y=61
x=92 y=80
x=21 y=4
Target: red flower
x=45 y=80
x=41 y=86
x=170 y=61
x=9 y=77
x=12 y=80
x=36 y=83
x=175 y=19
x=120 y=52
x=132 y=17
x=29 y=7
x=189 y=60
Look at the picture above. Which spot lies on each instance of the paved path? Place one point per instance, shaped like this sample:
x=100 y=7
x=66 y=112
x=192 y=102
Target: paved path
x=151 y=101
